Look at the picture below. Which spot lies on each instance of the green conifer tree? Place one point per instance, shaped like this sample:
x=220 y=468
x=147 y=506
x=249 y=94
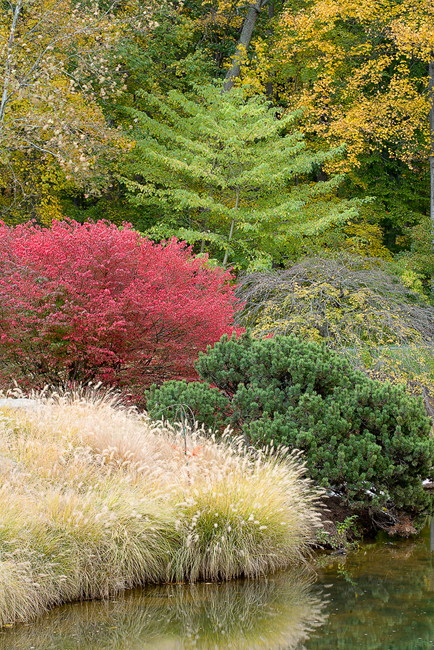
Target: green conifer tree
x=229 y=174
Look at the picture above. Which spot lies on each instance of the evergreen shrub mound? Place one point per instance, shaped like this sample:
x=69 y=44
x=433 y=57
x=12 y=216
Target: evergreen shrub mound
x=194 y=402
x=367 y=441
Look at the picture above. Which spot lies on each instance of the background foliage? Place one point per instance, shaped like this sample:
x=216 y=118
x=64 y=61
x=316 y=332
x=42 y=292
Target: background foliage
x=357 y=78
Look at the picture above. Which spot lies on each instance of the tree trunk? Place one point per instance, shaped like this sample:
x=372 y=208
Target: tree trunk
x=231 y=231
x=243 y=43
x=8 y=62
x=269 y=90
x=431 y=153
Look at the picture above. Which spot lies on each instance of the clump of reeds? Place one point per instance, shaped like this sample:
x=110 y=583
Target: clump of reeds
x=247 y=514
x=96 y=499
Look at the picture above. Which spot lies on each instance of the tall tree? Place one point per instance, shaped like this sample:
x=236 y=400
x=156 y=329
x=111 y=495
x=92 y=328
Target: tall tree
x=231 y=174
x=413 y=34
x=356 y=82
x=56 y=68
x=155 y=56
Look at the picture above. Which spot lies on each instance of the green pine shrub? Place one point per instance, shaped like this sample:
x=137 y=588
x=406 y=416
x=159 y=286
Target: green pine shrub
x=367 y=441
x=194 y=402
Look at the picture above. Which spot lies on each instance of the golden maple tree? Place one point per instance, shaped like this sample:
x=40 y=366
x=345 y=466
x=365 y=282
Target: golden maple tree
x=57 y=65
x=358 y=72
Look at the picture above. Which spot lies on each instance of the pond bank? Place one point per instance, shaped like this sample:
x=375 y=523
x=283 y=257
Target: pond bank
x=378 y=598
x=343 y=527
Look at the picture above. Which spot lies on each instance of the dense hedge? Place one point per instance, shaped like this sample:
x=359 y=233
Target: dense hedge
x=367 y=441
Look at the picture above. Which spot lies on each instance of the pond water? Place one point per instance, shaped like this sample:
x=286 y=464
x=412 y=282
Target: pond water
x=379 y=598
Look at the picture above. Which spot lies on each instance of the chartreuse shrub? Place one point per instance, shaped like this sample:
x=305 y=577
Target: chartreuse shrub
x=95 y=500
x=367 y=441
x=359 y=309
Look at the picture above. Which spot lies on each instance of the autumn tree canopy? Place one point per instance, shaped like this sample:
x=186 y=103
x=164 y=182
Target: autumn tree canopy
x=58 y=65
x=354 y=76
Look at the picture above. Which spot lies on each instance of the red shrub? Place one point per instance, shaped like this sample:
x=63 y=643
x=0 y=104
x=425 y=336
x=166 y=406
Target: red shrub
x=92 y=302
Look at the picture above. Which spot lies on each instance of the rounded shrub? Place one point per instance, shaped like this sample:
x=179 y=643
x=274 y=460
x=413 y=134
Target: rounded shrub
x=365 y=440
x=192 y=402
x=354 y=305
x=93 y=302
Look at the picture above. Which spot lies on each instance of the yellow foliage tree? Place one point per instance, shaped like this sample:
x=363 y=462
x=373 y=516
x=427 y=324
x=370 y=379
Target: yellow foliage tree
x=351 y=67
x=57 y=66
x=361 y=74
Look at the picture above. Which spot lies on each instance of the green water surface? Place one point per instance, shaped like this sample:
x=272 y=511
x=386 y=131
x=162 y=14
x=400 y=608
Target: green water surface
x=381 y=597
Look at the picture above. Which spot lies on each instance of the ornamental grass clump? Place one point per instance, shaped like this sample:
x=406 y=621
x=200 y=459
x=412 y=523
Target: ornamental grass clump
x=96 y=499
x=255 y=517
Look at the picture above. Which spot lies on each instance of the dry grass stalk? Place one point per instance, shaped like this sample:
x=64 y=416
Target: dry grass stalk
x=96 y=499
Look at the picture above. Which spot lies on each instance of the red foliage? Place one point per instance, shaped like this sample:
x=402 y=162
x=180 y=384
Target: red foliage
x=94 y=302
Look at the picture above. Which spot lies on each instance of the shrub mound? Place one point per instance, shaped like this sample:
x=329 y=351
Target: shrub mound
x=353 y=305
x=96 y=500
x=367 y=441
x=349 y=302
x=92 y=302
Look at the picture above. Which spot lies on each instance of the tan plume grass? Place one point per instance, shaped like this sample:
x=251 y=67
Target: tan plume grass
x=257 y=516
x=96 y=499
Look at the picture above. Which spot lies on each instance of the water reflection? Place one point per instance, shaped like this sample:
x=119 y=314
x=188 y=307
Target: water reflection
x=280 y=612
x=381 y=598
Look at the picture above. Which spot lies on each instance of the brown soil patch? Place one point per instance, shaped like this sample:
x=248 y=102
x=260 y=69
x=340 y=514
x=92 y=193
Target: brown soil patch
x=367 y=524
x=335 y=512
